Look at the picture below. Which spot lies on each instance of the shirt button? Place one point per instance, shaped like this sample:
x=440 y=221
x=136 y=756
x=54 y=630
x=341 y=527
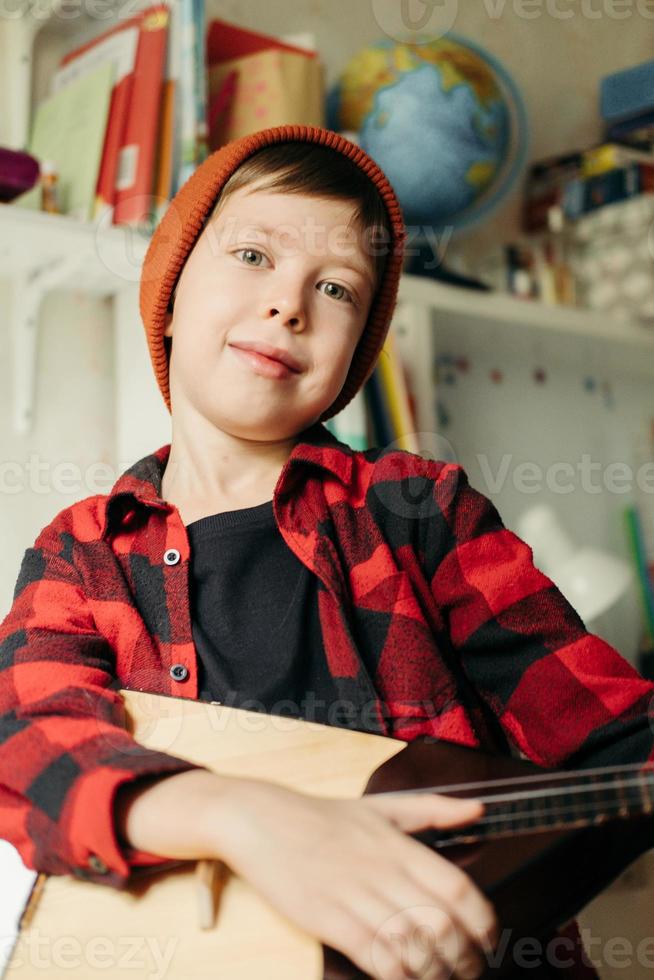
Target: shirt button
x=97 y=864
x=171 y=557
x=179 y=672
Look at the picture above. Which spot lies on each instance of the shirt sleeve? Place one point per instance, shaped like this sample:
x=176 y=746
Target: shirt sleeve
x=64 y=746
x=563 y=696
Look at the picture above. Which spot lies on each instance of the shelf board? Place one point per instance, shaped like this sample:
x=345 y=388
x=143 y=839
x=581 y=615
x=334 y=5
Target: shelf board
x=98 y=259
x=475 y=322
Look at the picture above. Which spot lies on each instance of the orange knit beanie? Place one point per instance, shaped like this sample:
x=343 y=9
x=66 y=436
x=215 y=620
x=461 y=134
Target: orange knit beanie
x=187 y=213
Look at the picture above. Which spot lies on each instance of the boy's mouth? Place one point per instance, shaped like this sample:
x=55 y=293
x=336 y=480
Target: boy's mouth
x=277 y=354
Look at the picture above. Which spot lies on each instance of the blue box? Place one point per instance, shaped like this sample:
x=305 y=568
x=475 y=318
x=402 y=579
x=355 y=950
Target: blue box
x=627 y=93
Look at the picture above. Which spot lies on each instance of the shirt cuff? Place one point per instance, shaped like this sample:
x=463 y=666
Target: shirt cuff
x=95 y=851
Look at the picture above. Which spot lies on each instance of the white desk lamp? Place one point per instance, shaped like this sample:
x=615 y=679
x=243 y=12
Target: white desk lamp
x=591 y=580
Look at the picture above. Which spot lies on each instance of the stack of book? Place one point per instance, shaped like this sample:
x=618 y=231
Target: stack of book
x=383 y=413
x=125 y=121
x=132 y=113
x=585 y=180
x=620 y=167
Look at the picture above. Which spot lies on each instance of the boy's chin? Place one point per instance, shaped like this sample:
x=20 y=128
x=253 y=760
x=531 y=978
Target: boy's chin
x=268 y=429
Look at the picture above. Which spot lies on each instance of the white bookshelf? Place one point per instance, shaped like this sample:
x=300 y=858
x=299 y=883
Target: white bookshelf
x=475 y=321
x=40 y=252
x=98 y=259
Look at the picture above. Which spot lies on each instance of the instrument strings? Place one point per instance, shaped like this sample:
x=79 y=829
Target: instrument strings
x=514 y=809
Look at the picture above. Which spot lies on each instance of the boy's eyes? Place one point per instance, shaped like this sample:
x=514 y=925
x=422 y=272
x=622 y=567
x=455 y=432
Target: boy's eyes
x=345 y=293
x=249 y=251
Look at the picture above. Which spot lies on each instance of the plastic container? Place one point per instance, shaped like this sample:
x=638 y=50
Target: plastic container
x=19 y=172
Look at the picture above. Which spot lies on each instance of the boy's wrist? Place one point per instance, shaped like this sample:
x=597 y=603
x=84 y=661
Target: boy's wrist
x=220 y=805
x=221 y=816
x=173 y=815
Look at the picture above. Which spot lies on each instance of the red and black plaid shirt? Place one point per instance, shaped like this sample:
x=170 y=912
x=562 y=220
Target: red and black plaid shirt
x=435 y=621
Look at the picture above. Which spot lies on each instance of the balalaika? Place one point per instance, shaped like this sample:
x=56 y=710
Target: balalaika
x=547 y=843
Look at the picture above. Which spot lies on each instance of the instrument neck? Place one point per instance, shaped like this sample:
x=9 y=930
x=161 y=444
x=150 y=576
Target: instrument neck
x=539 y=802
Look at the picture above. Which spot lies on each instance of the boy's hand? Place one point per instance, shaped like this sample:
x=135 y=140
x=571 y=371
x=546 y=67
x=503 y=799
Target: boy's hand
x=346 y=873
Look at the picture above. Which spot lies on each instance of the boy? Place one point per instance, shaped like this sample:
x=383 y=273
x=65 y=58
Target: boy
x=258 y=561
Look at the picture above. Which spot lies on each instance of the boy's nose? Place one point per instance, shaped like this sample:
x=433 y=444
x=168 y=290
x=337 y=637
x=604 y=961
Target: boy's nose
x=290 y=312
x=292 y=319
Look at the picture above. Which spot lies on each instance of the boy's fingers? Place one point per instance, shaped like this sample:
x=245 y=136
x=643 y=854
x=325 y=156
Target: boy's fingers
x=420 y=811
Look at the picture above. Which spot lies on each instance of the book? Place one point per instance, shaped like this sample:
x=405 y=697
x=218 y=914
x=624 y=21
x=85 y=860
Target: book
x=167 y=154
x=382 y=429
x=351 y=425
x=551 y=182
x=220 y=105
x=396 y=395
x=276 y=83
x=627 y=93
x=117 y=47
x=187 y=129
x=640 y=129
x=611 y=156
x=226 y=41
x=69 y=129
x=612 y=186
x=163 y=167
x=576 y=194
x=200 y=88
x=136 y=161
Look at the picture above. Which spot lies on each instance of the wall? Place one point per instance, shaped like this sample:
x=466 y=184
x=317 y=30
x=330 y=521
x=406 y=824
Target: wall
x=555 y=59
x=74 y=421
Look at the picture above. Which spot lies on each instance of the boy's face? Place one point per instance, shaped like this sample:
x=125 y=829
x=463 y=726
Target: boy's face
x=284 y=270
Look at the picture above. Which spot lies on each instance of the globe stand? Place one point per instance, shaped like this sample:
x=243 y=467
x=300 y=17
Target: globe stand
x=420 y=262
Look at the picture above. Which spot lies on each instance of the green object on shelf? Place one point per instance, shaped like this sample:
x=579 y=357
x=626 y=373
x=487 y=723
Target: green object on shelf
x=69 y=129
x=639 y=556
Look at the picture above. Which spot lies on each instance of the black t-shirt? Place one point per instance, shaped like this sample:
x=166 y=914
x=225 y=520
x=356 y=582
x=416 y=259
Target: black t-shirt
x=254 y=609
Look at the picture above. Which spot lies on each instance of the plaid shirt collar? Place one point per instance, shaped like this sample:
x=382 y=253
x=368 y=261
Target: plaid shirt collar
x=141 y=483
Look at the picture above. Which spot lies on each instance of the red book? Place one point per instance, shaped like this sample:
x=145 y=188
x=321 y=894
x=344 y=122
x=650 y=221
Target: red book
x=118 y=45
x=136 y=160
x=226 y=41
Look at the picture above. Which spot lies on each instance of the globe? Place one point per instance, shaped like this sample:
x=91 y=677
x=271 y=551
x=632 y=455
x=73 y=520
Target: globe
x=444 y=121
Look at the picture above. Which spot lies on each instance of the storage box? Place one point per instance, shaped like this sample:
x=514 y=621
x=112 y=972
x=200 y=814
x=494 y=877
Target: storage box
x=611 y=253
